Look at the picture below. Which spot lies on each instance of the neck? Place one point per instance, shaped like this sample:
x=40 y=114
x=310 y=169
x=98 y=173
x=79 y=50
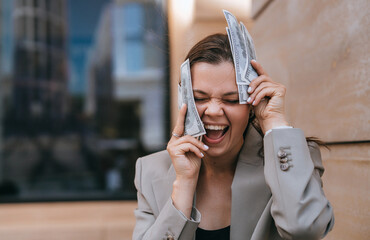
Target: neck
x=221 y=165
x=213 y=167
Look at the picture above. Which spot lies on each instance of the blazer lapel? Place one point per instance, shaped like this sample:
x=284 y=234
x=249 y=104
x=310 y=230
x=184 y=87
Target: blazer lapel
x=250 y=194
x=162 y=187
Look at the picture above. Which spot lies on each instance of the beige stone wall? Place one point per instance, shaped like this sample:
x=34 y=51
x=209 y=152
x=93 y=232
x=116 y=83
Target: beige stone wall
x=321 y=51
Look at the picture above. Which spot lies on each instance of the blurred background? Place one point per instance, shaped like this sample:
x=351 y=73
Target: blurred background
x=88 y=86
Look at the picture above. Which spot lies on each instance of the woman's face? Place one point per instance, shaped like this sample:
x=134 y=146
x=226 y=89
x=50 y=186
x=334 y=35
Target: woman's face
x=217 y=100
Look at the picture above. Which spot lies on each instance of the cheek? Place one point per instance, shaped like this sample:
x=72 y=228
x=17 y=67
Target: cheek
x=240 y=117
x=200 y=108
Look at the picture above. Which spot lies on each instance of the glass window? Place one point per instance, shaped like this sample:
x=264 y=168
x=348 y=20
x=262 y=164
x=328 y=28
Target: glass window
x=82 y=99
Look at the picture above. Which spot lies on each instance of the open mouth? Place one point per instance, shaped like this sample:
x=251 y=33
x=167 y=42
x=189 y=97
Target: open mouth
x=215 y=133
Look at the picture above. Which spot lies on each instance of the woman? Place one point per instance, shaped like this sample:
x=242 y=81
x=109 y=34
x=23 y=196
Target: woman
x=251 y=177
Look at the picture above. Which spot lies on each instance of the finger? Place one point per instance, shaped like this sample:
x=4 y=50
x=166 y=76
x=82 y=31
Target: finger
x=260 y=87
x=266 y=92
x=188 y=147
x=257 y=81
x=258 y=67
x=179 y=127
x=192 y=140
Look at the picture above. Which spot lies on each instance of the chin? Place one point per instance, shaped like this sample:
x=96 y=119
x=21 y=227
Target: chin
x=215 y=152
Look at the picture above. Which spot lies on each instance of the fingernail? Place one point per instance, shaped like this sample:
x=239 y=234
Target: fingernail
x=202 y=154
x=206 y=147
x=249 y=89
x=249 y=99
x=253 y=102
x=253 y=60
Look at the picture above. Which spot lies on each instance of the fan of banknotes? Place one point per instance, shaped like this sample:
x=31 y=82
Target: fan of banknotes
x=242 y=48
x=243 y=52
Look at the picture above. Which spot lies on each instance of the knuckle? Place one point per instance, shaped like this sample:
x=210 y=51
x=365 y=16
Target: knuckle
x=189 y=145
x=169 y=148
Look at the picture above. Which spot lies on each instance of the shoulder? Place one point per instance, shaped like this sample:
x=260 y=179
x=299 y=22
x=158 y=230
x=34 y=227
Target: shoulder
x=154 y=165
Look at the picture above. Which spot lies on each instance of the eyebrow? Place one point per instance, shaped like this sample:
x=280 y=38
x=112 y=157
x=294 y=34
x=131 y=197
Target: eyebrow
x=204 y=93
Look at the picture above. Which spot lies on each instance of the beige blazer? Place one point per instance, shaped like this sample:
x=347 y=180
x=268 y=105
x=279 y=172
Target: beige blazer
x=268 y=202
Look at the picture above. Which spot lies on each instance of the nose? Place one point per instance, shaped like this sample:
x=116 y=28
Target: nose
x=214 y=108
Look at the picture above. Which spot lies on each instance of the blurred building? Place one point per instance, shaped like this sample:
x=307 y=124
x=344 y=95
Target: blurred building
x=6 y=38
x=6 y=67
x=99 y=94
x=39 y=88
x=81 y=30
x=33 y=91
x=6 y=51
x=128 y=74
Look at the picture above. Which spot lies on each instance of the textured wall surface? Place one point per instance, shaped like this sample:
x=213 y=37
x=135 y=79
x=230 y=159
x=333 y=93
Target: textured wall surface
x=346 y=184
x=321 y=51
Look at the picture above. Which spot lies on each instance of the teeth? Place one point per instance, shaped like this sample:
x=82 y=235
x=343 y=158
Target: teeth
x=215 y=127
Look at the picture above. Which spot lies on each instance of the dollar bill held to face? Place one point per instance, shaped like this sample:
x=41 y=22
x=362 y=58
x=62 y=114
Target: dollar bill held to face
x=249 y=42
x=238 y=47
x=249 y=73
x=243 y=93
x=231 y=43
x=193 y=124
x=243 y=51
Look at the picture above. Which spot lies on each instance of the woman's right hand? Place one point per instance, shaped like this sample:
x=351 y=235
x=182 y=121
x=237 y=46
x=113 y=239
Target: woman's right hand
x=186 y=154
x=185 y=151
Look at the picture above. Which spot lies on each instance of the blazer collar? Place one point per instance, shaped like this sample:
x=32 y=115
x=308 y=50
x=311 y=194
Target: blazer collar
x=162 y=187
x=250 y=193
x=253 y=143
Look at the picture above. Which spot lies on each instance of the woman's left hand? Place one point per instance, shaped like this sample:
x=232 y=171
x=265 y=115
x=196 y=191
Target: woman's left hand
x=268 y=98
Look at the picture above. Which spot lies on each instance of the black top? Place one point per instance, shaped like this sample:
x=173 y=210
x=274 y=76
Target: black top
x=219 y=234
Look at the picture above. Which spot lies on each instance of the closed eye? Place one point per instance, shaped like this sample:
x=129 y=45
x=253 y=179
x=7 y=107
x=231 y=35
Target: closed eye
x=197 y=99
x=233 y=101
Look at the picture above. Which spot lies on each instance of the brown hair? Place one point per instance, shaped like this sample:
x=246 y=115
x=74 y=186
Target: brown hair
x=212 y=49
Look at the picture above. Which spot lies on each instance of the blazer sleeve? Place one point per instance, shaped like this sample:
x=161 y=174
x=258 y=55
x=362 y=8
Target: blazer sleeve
x=169 y=224
x=299 y=206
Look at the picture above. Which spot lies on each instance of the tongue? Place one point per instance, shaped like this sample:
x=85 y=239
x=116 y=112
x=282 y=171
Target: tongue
x=214 y=134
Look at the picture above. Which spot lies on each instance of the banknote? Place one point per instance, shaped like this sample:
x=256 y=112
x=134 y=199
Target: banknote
x=249 y=41
x=179 y=98
x=193 y=124
x=243 y=94
x=249 y=73
x=238 y=48
x=231 y=43
x=243 y=50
